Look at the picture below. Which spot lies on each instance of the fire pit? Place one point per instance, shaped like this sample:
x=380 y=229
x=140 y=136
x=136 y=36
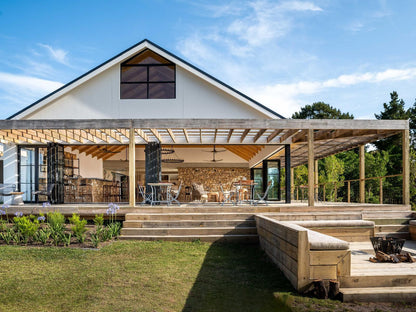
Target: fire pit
x=388 y=245
x=389 y=249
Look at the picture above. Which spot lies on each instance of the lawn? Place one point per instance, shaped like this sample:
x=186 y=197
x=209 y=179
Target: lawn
x=149 y=276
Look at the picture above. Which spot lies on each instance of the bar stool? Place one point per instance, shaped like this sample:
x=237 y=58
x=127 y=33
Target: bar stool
x=188 y=193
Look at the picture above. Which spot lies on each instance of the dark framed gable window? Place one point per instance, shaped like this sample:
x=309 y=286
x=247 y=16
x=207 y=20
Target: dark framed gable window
x=147 y=75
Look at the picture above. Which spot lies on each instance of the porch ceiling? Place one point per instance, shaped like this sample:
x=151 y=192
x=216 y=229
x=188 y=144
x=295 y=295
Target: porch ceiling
x=244 y=137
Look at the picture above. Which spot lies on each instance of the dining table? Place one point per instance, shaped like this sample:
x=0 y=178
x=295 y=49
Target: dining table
x=249 y=185
x=161 y=193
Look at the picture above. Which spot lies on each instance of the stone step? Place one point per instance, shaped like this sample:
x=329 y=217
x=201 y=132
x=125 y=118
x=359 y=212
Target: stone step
x=189 y=216
x=189 y=231
x=378 y=281
x=384 y=221
x=391 y=228
x=404 y=235
x=187 y=223
x=379 y=294
x=248 y=238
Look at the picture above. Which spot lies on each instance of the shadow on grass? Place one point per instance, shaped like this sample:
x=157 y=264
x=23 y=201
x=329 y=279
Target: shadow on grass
x=238 y=277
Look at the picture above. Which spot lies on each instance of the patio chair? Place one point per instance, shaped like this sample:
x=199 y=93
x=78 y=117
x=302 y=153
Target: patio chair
x=226 y=195
x=176 y=195
x=48 y=192
x=147 y=198
x=262 y=198
x=198 y=191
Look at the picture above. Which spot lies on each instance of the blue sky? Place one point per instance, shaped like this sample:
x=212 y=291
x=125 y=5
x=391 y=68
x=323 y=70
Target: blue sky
x=285 y=54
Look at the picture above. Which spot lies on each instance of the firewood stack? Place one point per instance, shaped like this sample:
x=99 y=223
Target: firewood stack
x=395 y=258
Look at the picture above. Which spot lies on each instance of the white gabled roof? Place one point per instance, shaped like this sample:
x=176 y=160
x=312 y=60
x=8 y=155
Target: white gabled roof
x=145 y=44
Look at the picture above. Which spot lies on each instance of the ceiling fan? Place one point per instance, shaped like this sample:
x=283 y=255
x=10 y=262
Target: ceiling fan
x=106 y=150
x=214 y=151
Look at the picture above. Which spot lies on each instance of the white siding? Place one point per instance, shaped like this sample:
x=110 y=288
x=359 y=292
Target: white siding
x=99 y=98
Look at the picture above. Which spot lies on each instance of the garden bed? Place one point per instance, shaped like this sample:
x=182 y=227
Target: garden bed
x=53 y=229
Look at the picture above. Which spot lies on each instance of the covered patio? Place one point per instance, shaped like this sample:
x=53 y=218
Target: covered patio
x=292 y=142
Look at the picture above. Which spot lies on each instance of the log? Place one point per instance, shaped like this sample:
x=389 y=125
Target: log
x=410 y=258
x=333 y=291
x=394 y=258
x=373 y=259
x=382 y=257
x=320 y=290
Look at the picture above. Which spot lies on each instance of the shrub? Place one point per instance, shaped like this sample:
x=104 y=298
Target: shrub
x=56 y=222
x=78 y=227
x=114 y=229
x=26 y=226
x=42 y=235
x=7 y=236
x=99 y=220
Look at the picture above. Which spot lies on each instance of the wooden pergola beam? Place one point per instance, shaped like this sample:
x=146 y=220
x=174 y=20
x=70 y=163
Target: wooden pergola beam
x=230 y=133
x=172 y=136
x=243 y=136
x=258 y=135
x=274 y=134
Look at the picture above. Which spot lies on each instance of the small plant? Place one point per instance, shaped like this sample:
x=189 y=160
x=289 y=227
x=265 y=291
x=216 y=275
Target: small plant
x=56 y=222
x=16 y=237
x=112 y=211
x=95 y=239
x=78 y=227
x=3 y=225
x=42 y=235
x=7 y=236
x=65 y=239
x=99 y=220
x=26 y=226
x=114 y=229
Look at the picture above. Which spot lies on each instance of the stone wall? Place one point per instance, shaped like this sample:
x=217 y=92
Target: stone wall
x=211 y=178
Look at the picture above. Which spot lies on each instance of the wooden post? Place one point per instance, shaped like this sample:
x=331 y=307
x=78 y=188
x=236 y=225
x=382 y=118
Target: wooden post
x=316 y=180
x=297 y=192
x=362 y=174
x=292 y=182
x=303 y=260
x=349 y=191
x=335 y=191
x=132 y=169
x=311 y=163
x=406 y=167
x=324 y=197
x=287 y=174
x=381 y=189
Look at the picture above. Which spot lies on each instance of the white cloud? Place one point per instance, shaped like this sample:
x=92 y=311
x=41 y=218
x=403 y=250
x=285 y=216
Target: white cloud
x=284 y=98
x=299 y=6
x=58 y=55
x=18 y=91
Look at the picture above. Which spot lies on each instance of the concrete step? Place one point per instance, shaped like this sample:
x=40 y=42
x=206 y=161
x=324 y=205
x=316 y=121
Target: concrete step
x=378 y=281
x=249 y=238
x=188 y=223
x=379 y=294
x=404 y=235
x=391 y=228
x=189 y=231
x=189 y=216
x=384 y=221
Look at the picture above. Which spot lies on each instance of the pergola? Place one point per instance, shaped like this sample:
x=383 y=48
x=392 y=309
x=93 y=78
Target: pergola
x=294 y=141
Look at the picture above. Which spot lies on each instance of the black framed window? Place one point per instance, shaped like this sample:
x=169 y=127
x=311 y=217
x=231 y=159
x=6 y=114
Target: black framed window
x=147 y=75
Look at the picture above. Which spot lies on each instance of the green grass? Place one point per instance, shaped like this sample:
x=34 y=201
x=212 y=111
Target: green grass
x=140 y=276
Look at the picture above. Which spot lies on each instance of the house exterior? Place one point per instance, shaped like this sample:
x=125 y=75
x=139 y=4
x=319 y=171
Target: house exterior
x=105 y=126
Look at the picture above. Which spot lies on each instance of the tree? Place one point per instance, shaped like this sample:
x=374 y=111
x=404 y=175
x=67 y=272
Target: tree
x=320 y=110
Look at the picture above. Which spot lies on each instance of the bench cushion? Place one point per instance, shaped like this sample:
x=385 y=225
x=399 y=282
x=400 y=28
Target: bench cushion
x=319 y=241
x=336 y=223
x=412 y=222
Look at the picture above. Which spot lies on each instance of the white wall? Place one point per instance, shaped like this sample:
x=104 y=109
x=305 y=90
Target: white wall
x=89 y=167
x=99 y=98
x=9 y=167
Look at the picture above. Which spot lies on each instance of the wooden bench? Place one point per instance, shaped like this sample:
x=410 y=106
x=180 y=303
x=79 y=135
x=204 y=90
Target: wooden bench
x=347 y=230
x=412 y=229
x=303 y=255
